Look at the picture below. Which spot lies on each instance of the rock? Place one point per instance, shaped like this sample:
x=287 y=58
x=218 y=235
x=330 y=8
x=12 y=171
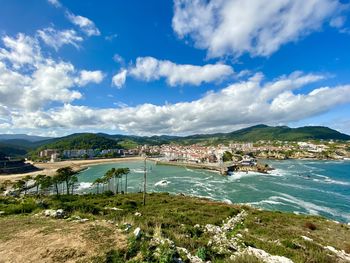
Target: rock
x=339 y=253
x=75 y=218
x=127 y=227
x=220 y=241
x=59 y=213
x=137 y=233
x=113 y=208
x=307 y=238
x=138 y=214
x=266 y=257
x=49 y=212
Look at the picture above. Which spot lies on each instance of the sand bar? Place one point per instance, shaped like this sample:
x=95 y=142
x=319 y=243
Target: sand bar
x=50 y=168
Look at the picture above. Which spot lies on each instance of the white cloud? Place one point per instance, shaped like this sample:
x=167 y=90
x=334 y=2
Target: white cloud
x=149 y=68
x=87 y=77
x=119 y=79
x=55 y=3
x=85 y=24
x=20 y=51
x=234 y=27
x=29 y=81
x=241 y=104
x=57 y=39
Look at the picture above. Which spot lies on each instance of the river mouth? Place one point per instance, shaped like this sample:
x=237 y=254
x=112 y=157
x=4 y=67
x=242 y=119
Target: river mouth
x=297 y=186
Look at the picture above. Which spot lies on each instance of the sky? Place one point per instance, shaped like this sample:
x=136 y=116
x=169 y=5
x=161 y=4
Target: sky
x=172 y=67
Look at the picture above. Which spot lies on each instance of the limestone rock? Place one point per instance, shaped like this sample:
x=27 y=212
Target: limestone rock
x=137 y=233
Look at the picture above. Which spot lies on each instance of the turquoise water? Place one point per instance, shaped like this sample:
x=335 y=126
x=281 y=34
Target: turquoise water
x=299 y=186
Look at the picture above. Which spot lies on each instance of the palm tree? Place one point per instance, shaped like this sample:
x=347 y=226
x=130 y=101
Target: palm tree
x=46 y=183
x=56 y=181
x=26 y=179
x=97 y=182
x=68 y=175
x=121 y=172
x=38 y=181
x=19 y=186
x=72 y=182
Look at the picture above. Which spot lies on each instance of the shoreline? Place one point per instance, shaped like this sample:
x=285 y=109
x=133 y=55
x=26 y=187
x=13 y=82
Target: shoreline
x=78 y=165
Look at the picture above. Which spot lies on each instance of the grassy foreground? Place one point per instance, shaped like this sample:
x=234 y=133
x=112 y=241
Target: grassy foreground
x=172 y=227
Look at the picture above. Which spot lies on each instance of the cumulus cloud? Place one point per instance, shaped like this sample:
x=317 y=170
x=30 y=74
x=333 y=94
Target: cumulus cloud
x=244 y=103
x=20 y=51
x=85 y=24
x=29 y=81
x=234 y=27
x=57 y=39
x=87 y=77
x=149 y=69
x=119 y=79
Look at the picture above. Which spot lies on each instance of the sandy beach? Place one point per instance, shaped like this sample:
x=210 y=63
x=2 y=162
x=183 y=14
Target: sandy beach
x=77 y=165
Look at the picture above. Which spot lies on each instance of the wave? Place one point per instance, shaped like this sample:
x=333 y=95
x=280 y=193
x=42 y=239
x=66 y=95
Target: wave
x=84 y=185
x=162 y=183
x=310 y=207
x=267 y=201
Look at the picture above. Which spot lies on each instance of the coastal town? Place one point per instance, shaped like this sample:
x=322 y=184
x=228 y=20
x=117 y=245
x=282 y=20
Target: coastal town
x=241 y=156
x=197 y=153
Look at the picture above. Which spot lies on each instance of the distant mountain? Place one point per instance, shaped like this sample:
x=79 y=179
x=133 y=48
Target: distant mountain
x=31 y=138
x=284 y=133
x=18 y=147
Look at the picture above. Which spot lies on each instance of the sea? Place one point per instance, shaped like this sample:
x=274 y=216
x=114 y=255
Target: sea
x=297 y=186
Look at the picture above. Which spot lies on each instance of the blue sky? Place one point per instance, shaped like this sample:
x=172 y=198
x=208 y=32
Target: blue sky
x=164 y=67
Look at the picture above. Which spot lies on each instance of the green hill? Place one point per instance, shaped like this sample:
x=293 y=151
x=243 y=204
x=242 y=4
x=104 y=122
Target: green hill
x=264 y=132
x=284 y=133
x=81 y=141
x=20 y=147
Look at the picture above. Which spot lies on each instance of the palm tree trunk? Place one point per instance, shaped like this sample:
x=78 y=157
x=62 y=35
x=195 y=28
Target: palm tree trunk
x=126 y=183
x=67 y=185
x=56 y=186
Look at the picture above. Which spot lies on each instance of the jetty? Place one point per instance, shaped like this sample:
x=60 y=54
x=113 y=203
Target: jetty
x=223 y=168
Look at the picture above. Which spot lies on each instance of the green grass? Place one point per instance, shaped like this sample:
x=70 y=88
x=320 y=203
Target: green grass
x=174 y=217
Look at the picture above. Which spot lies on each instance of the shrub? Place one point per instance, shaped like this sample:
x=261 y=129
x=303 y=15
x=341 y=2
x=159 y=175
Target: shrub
x=20 y=208
x=166 y=254
x=310 y=226
x=202 y=253
x=114 y=256
x=108 y=193
x=290 y=244
x=133 y=247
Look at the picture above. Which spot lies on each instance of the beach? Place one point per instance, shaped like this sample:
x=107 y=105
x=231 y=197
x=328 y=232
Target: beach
x=78 y=165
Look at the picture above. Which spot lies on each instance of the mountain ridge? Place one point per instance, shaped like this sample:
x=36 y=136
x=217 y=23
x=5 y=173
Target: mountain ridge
x=103 y=140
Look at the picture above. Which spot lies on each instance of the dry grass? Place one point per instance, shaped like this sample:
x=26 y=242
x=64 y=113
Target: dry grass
x=34 y=239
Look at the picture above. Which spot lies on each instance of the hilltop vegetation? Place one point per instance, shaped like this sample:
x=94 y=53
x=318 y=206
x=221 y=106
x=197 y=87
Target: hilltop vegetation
x=81 y=141
x=101 y=228
x=17 y=147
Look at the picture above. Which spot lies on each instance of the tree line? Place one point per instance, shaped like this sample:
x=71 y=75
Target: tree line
x=113 y=181
x=64 y=182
